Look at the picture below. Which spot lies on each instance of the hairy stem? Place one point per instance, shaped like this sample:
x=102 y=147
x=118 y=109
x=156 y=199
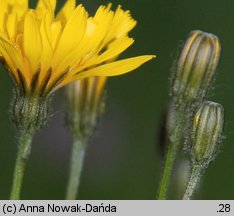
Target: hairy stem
x=173 y=146
x=193 y=181
x=76 y=165
x=24 y=149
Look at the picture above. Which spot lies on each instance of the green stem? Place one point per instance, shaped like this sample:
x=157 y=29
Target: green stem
x=76 y=165
x=24 y=149
x=193 y=180
x=173 y=146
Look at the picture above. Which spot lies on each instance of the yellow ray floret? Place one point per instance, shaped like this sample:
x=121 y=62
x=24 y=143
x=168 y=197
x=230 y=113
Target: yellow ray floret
x=45 y=51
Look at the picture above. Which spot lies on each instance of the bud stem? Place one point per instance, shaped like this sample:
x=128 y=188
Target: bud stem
x=173 y=146
x=76 y=165
x=29 y=114
x=193 y=180
x=24 y=149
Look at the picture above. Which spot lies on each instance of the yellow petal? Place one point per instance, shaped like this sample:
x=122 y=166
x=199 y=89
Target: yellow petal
x=66 y=11
x=14 y=59
x=46 y=5
x=3 y=15
x=6 y=50
x=114 y=49
x=19 y=7
x=47 y=50
x=74 y=30
x=116 y=68
x=32 y=43
x=11 y=25
x=101 y=23
x=56 y=30
x=111 y=69
x=122 y=23
x=92 y=41
x=71 y=35
x=23 y=4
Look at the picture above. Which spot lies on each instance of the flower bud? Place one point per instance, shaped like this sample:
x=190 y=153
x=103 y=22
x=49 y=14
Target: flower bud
x=206 y=132
x=85 y=104
x=195 y=68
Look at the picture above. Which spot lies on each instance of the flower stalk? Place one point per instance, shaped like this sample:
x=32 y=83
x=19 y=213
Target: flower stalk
x=174 y=143
x=76 y=164
x=29 y=114
x=85 y=100
x=194 y=179
x=24 y=149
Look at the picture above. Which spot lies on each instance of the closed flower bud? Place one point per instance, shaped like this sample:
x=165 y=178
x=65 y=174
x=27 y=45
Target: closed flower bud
x=206 y=132
x=85 y=104
x=195 y=68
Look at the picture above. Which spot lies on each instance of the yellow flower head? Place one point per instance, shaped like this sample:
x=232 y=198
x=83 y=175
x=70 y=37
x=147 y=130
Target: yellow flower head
x=45 y=51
